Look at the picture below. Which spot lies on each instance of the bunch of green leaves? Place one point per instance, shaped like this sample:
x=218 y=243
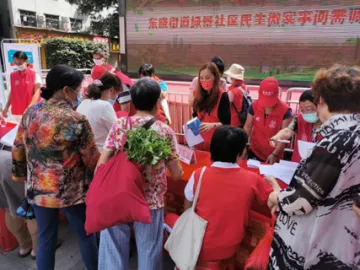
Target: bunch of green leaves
x=145 y=147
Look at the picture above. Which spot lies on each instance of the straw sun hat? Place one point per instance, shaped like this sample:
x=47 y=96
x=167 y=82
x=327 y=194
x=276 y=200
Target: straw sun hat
x=236 y=72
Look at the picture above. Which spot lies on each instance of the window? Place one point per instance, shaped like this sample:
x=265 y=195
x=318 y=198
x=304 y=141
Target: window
x=52 y=21
x=28 y=18
x=76 y=24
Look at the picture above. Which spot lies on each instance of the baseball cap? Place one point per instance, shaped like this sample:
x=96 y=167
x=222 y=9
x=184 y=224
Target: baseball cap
x=268 y=92
x=97 y=72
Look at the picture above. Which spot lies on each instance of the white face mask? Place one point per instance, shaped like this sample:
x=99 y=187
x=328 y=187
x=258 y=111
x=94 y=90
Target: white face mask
x=98 y=62
x=21 y=67
x=229 y=79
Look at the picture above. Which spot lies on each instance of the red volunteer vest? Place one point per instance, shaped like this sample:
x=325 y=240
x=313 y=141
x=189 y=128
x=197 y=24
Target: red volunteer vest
x=205 y=117
x=225 y=200
x=237 y=103
x=22 y=90
x=264 y=129
x=304 y=133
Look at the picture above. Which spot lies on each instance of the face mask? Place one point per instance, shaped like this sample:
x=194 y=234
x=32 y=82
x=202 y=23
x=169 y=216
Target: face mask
x=21 y=67
x=229 y=79
x=112 y=101
x=98 y=62
x=207 y=85
x=310 y=117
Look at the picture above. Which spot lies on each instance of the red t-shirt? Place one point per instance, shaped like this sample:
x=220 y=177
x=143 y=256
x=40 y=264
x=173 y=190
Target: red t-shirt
x=225 y=200
x=22 y=90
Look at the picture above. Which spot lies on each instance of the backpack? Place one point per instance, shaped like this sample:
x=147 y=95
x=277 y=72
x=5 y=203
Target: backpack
x=246 y=105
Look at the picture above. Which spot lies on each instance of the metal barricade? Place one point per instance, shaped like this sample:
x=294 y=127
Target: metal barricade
x=292 y=97
x=180 y=112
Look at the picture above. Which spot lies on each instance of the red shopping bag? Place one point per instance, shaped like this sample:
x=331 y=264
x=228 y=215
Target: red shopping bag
x=259 y=258
x=116 y=195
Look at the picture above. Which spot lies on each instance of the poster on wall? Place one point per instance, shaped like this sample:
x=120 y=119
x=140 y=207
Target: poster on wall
x=287 y=39
x=31 y=50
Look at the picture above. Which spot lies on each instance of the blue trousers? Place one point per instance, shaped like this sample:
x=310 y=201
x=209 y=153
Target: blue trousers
x=115 y=244
x=48 y=222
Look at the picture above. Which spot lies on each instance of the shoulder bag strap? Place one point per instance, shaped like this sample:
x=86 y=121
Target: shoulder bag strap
x=149 y=123
x=198 y=188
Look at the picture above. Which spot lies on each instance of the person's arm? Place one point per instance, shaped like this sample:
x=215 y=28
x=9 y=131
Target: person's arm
x=7 y=106
x=111 y=144
x=189 y=192
x=316 y=178
x=249 y=122
x=38 y=82
x=279 y=148
x=262 y=190
x=19 y=164
x=356 y=210
x=108 y=116
x=286 y=133
x=173 y=163
x=87 y=147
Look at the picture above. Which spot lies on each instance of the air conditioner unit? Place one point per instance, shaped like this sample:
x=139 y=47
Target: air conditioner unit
x=40 y=21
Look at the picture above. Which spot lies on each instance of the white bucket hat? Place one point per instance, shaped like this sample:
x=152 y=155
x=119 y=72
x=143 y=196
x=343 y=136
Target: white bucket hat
x=236 y=72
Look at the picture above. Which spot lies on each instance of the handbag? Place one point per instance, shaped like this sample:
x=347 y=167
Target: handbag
x=185 y=241
x=259 y=258
x=116 y=194
x=25 y=210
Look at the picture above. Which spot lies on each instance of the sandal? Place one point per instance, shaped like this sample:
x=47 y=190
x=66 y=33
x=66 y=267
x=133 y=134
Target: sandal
x=24 y=255
x=59 y=243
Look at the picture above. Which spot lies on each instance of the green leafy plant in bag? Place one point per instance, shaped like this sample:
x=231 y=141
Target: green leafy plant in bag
x=145 y=147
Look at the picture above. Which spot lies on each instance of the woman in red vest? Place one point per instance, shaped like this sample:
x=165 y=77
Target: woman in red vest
x=236 y=91
x=226 y=194
x=303 y=125
x=266 y=117
x=25 y=87
x=211 y=104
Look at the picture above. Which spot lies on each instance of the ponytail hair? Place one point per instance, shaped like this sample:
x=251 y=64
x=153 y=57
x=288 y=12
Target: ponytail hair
x=59 y=77
x=107 y=81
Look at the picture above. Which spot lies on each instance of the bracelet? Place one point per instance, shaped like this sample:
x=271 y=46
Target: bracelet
x=274 y=155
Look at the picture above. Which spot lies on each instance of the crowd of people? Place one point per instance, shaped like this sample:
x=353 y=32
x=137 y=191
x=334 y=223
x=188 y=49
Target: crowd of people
x=63 y=138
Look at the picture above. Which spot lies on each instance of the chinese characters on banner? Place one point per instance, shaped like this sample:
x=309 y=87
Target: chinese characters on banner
x=337 y=16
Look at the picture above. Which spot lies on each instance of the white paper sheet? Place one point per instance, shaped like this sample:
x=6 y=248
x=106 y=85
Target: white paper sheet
x=9 y=138
x=191 y=139
x=305 y=148
x=289 y=163
x=280 y=171
x=265 y=169
x=252 y=163
x=166 y=109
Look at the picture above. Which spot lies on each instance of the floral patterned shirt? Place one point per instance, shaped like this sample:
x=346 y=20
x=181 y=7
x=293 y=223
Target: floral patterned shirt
x=53 y=148
x=155 y=176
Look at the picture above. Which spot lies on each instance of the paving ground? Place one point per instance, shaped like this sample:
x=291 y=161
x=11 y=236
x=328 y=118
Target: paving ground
x=67 y=256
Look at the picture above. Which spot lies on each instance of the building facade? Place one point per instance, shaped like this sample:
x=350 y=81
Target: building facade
x=43 y=19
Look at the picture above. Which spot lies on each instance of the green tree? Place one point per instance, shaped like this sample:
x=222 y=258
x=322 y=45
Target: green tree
x=75 y=53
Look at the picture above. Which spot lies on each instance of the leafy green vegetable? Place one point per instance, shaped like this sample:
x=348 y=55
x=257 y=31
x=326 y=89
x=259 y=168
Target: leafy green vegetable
x=146 y=147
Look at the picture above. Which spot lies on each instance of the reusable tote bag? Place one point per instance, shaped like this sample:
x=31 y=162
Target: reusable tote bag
x=185 y=241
